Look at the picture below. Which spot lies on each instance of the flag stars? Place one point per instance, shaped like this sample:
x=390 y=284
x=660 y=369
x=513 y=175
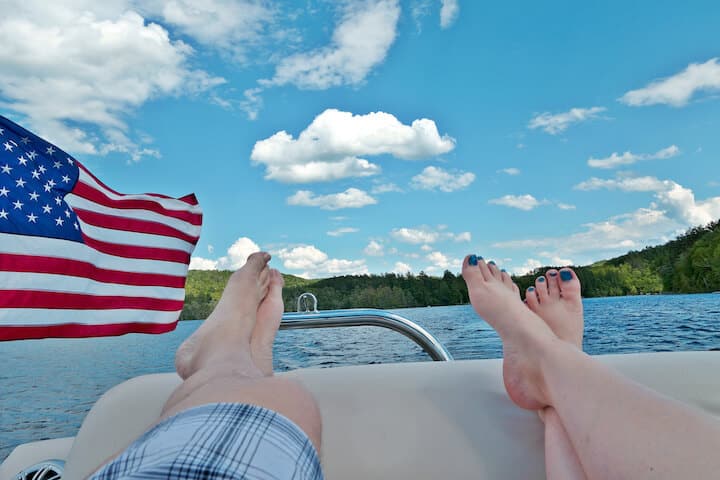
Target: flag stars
x=70 y=161
x=47 y=209
x=3 y=214
x=24 y=140
x=6 y=169
x=20 y=183
x=32 y=218
x=34 y=196
x=76 y=226
x=42 y=169
x=58 y=200
x=49 y=185
x=50 y=150
x=59 y=222
x=66 y=179
x=35 y=174
x=8 y=146
x=57 y=164
x=32 y=155
x=18 y=204
x=22 y=160
x=67 y=213
x=4 y=192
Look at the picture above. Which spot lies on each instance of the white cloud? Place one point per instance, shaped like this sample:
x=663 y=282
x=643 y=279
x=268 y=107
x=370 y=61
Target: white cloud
x=350 y=198
x=236 y=257
x=510 y=171
x=449 y=12
x=427 y=235
x=673 y=210
x=440 y=261
x=360 y=42
x=374 y=249
x=426 y=248
x=529 y=265
x=331 y=146
x=434 y=178
x=559 y=122
x=228 y=25
x=316 y=263
x=342 y=231
x=565 y=206
x=628 y=158
x=401 y=268
x=678 y=89
x=74 y=72
x=522 y=202
x=385 y=188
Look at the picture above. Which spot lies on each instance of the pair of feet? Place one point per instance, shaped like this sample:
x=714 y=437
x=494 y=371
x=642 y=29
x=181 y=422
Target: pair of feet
x=552 y=311
x=242 y=328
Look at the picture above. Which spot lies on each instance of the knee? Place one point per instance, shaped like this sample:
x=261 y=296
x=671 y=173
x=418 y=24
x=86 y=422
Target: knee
x=291 y=399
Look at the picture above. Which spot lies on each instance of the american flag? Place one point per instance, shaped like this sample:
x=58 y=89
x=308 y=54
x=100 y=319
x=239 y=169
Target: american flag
x=78 y=259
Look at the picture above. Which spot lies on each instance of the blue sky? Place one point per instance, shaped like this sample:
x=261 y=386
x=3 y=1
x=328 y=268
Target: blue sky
x=367 y=136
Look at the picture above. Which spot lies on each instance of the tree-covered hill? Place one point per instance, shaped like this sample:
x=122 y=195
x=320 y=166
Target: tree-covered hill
x=688 y=264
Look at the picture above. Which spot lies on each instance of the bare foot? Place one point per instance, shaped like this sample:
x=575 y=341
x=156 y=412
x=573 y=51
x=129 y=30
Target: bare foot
x=556 y=299
x=269 y=315
x=232 y=322
x=522 y=332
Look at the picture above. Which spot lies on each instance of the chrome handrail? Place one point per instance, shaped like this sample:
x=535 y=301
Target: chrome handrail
x=360 y=317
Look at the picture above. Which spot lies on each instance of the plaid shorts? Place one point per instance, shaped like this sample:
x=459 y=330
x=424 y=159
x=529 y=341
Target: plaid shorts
x=219 y=440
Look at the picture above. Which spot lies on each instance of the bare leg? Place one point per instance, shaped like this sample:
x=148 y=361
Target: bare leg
x=618 y=428
x=229 y=358
x=556 y=299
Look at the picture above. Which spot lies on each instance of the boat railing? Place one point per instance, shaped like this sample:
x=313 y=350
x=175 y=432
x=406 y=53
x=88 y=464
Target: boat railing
x=308 y=316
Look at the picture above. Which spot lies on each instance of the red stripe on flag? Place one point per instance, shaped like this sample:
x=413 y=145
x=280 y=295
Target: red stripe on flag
x=133 y=251
x=75 y=330
x=131 y=225
x=75 y=268
x=87 y=192
x=77 y=301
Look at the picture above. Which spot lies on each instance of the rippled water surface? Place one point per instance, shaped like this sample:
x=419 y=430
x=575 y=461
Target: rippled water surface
x=47 y=386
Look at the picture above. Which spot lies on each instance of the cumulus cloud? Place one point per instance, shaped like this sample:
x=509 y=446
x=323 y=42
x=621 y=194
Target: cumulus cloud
x=72 y=74
x=678 y=89
x=530 y=265
x=434 y=178
x=628 y=158
x=427 y=235
x=559 y=122
x=359 y=43
x=565 y=206
x=235 y=258
x=449 y=12
x=331 y=146
x=401 y=268
x=385 y=188
x=522 y=202
x=350 y=198
x=374 y=249
x=440 y=261
x=674 y=209
x=342 y=231
x=510 y=171
x=315 y=263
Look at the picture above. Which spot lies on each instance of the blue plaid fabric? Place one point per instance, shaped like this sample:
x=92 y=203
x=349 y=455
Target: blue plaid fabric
x=219 y=441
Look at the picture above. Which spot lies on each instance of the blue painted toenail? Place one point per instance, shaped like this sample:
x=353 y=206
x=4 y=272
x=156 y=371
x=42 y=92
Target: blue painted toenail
x=531 y=289
x=565 y=275
x=553 y=274
x=473 y=260
x=491 y=262
x=503 y=270
x=541 y=279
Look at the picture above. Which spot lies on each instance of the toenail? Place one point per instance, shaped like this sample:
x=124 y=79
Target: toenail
x=473 y=260
x=491 y=262
x=531 y=289
x=565 y=275
x=553 y=274
x=503 y=270
x=541 y=279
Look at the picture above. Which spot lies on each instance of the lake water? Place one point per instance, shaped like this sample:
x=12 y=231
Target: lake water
x=47 y=386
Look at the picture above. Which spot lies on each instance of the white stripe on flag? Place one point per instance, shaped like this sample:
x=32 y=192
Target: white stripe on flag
x=133 y=238
x=24 y=317
x=69 y=284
